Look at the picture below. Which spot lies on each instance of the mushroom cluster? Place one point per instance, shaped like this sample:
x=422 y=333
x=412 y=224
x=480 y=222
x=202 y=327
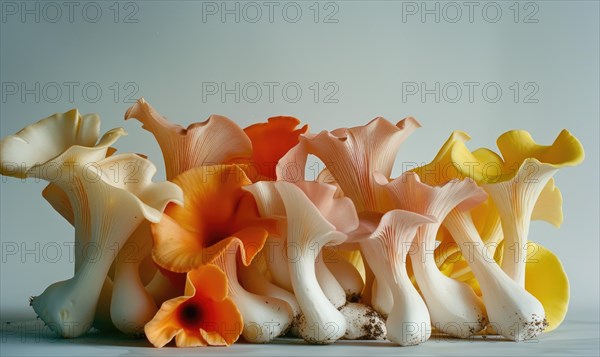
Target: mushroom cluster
x=239 y=243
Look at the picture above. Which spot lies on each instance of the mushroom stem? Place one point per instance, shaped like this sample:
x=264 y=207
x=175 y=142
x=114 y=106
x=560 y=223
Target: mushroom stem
x=511 y=310
x=254 y=281
x=369 y=289
x=110 y=209
x=128 y=286
x=386 y=251
x=515 y=200
x=321 y=321
x=454 y=307
x=68 y=307
x=408 y=322
x=277 y=261
x=382 y=299
x=264 y=317
x=329 y=284
x=348 y=277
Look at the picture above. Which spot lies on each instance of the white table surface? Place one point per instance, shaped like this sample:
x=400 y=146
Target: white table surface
x=26 y=337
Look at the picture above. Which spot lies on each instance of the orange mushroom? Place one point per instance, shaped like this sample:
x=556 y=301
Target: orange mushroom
x=207 y=316
x=216 y=212
x=270 y=142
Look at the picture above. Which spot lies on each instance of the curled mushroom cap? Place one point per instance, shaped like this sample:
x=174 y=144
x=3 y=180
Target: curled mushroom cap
x=353 y=155
x=270 y=142
x=217 y=211
x=218 y=140
x=205 y=316
x=516 y=146
x=50 y=148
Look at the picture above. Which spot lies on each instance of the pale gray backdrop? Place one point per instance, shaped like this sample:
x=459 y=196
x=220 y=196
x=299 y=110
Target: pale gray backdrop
x=367 y=59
